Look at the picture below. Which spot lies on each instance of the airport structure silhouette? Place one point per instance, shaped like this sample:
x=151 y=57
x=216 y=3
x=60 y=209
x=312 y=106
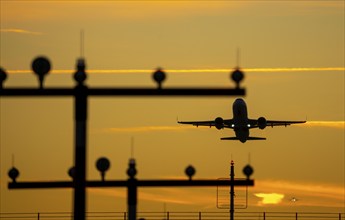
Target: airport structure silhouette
x=41 y=67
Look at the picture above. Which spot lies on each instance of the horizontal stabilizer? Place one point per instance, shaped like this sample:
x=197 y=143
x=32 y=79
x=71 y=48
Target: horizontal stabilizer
x=249 y=138
x=229 y=138
x=256 y=138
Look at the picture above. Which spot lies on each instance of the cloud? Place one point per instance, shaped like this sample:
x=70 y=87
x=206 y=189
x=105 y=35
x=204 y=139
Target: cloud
x=270 y=198
x=210 y=70
x=224 y=70
x=166 y=196
x=146 y=129
x=295 y=69
x=182 y=196
x=269 y=192
x=20 y=31
x=141 y=129
x=108 y=192
x=308 y=194
x=328 y=124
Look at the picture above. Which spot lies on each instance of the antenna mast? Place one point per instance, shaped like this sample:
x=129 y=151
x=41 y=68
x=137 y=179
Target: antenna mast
x=132 y=147
x=82 y=43
x=238 y=57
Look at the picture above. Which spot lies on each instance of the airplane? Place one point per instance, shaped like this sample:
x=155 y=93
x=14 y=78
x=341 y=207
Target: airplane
x=294 y=199
x=240 y=123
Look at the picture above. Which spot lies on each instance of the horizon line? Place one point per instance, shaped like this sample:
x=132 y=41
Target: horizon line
x=205 y=70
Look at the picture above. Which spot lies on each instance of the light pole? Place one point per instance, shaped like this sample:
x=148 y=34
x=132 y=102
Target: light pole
x=41 y=67
x=232 y=192
x=133 y=183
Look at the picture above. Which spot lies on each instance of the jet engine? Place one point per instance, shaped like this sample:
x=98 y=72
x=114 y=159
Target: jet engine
x=219 y=123
x=262 y=122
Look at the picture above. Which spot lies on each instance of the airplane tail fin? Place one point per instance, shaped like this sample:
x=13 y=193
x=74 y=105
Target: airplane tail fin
x=248 y=139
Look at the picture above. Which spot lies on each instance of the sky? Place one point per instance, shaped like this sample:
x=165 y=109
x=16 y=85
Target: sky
x=292 y=53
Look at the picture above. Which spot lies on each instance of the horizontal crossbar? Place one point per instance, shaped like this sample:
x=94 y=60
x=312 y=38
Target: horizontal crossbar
x=123 y=92
x=124 y=183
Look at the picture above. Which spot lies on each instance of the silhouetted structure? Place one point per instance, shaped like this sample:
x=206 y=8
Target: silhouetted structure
x=81 y=92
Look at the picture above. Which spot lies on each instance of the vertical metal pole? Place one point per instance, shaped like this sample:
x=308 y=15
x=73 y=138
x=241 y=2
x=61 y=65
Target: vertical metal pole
x=80 y=152
x=132 y=199
x=232 y=192
x=132 y=191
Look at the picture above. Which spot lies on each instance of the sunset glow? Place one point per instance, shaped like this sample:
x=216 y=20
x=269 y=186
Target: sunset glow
x=292 y=56
x=270 y=198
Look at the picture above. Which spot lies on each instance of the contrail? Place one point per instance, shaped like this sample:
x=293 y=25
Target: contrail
x=211 y=70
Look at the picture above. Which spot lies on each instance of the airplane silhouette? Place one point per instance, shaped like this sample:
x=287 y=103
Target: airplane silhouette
x=294 y=199
x=240 y=123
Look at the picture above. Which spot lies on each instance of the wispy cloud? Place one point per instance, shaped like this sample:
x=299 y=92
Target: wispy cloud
x=309 y=194
x=329 y=124
x=267 y=192
x=146 y=129
x=270 y=198
x=211 y=70
x=19 y=31
x=166 y=195
x=295 y=69
x=141 y=129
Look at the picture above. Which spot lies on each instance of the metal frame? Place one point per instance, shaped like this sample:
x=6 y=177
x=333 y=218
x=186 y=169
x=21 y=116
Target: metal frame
x=81 y=92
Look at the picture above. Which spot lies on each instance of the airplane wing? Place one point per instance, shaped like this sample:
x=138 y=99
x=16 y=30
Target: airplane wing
x=262 y=123
x=283 y=123
x=248 y=138
x=219 y=122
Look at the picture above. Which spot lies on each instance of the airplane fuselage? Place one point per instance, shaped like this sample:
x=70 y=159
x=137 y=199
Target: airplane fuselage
x=240 y=118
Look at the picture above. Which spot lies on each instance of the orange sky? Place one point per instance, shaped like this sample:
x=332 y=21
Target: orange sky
x=293 y=57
